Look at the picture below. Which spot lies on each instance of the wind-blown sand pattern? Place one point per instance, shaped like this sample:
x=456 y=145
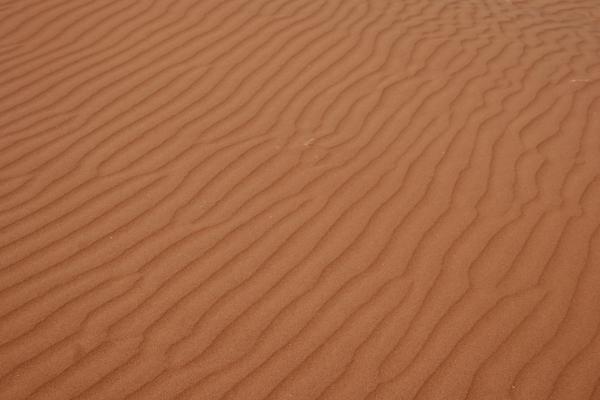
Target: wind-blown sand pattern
x=299 y=199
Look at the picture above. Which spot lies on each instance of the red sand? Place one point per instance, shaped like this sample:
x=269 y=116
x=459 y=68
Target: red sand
x=299 y=199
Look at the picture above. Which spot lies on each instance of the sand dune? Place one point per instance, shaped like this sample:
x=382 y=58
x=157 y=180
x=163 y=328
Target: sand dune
x=299 y=199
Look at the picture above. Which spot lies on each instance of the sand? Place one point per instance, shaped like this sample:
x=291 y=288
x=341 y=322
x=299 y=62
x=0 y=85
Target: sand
x=300 y=199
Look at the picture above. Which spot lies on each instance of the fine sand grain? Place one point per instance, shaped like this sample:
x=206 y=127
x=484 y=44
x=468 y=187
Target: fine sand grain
x=300 y=199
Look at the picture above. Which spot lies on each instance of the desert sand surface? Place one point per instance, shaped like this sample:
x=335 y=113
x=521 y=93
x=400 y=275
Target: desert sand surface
x=300 y=199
